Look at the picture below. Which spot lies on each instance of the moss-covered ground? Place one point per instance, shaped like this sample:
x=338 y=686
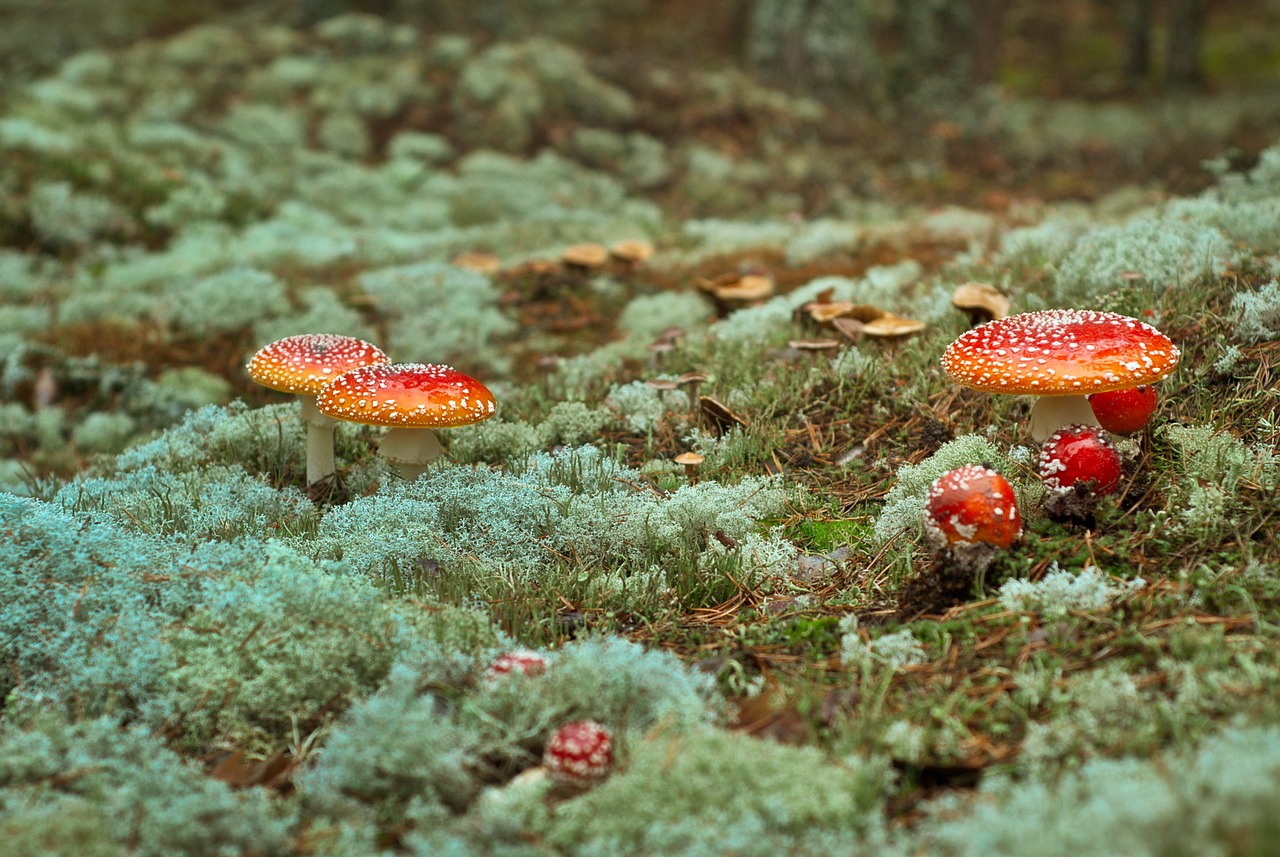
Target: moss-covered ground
x=204 y=655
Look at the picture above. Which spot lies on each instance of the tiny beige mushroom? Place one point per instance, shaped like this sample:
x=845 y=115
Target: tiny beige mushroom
x=980 y=301
x=690 y=460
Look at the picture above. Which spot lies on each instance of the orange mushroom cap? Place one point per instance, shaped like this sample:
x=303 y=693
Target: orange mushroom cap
x=409 y=395
x=305 y=363
x=1060 y=352
x=972 y=505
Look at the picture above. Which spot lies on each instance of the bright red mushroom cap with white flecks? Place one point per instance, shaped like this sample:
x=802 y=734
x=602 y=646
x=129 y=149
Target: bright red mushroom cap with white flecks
x=1125 y=411
x=408 y=395
x=1080 y=455
x=517 y=661
x=970 y=505
x=305 y=363
x=579 y=753
x=1060 y=352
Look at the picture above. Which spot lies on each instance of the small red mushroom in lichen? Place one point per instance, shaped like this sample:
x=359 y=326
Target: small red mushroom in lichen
x=1078 y=464
x=516 y=662
x=579 y=754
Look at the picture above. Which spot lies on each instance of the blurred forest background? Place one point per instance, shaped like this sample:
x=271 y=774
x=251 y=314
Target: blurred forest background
x=1178 y=81
x=875 y=54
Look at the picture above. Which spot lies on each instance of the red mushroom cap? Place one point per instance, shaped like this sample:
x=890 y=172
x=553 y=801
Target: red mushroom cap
x=305 y=363
x=579 y=753
x=1125 y=411
x=972 y=505
x=409 y=395
x=1080 y=456
x=1060 y=352
x=522 y=661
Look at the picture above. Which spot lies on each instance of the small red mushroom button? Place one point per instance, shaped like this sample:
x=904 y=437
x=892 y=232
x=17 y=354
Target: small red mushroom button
x=516 y=662
x=1125 y=411
x=1080 y=456
x=579 y=754
x=972 y=505
x=1079 y=464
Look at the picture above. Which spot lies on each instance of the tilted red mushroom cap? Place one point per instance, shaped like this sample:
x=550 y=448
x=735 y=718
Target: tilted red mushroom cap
x=420 y=395
x=1080 y=455
x=579 y=753
x=1125 y=411
x=972 y=505
x=305 y=363
x=1060 y=352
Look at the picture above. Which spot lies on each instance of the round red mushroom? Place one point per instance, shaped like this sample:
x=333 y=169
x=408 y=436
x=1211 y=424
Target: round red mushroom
x=303 y=365
x=411 y=398
x=972 y=505
x=1061 y=356
x=517 y=661
x=1081 y=458
x=579 y=754
x=1125 y=411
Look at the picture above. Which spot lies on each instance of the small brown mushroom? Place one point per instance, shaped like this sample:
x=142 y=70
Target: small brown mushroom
x=585 y=257
x=483 y=263
x=692 y=381
x=981 y=302
x=737 y=290
x=690 y=460
x=631 y=253
x=890 y=326
x=719 y=413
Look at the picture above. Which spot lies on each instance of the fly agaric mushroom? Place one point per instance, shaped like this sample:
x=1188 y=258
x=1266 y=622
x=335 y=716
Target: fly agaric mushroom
x=1125 y=411
x=1061 y=356
x=303 y=365
x=1078 y=465
x=517 y=661
x=970 y=506
x=411 y=398
x=579 y=754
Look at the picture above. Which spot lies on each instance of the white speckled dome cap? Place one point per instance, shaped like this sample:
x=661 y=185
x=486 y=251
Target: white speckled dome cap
x=411 y=395
x=1060 y=352
x=303 y=364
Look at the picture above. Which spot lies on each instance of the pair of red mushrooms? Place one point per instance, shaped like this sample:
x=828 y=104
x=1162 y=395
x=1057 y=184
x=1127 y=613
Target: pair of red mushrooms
x=344 y=378
x=1093 y=373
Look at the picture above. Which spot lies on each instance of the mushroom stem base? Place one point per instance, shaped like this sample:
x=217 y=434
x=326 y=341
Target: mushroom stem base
x=1051 y=413
x=410 y=450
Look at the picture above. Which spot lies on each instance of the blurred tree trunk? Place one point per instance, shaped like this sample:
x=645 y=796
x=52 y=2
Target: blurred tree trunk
x=1186 y=40
x=988 y=24
x=1137 y=18
x=826 y=47
x=936 y=58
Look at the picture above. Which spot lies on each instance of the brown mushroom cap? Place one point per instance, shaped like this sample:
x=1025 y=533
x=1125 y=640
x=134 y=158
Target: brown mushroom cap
x=981 y=300
x=305 y=363
x=407 y=395
x=634 y=251
x=588 y=255
x=1060 y=352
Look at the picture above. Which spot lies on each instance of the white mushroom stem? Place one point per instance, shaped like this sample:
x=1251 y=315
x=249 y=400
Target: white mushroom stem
x=410 y=450
x=1050 y=413
x=320 y=428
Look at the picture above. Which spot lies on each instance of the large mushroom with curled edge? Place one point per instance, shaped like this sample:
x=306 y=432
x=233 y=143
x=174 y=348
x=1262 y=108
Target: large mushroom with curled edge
x=1061 y=356
x=412 y=399
x=303 y=365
